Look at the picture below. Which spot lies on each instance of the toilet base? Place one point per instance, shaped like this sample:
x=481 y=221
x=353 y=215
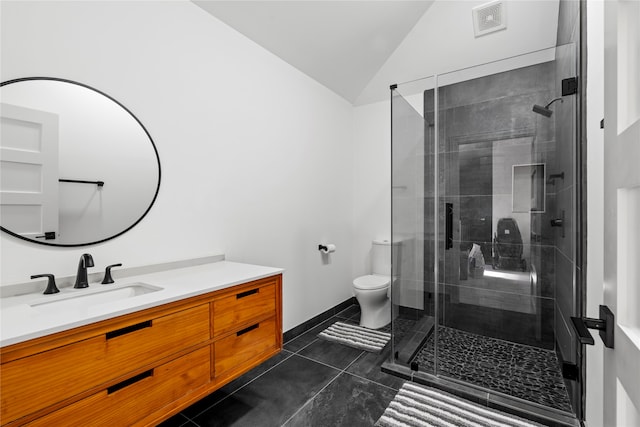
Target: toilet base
x=376 y=317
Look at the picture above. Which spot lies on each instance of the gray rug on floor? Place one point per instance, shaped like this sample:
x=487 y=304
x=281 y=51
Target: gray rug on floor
x=356 y=336
x=418 y=406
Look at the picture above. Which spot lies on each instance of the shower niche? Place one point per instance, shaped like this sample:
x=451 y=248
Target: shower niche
x=484 y=283
x=528 y=188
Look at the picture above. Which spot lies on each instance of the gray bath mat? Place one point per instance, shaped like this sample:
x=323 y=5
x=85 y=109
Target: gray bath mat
x=356 y=336
x=416 y=406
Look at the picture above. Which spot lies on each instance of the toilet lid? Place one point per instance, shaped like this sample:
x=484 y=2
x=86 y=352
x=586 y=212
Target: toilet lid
x=371 y=282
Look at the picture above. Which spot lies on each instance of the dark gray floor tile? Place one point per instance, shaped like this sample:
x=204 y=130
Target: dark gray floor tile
x=273 y=397
x=348 y=401
x=205 y=403
x=333 y=354
x=368 y=365
x=310 y=336
x=257 y=371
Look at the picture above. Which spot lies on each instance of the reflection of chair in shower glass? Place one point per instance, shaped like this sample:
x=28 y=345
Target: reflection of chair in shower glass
x=507 y=246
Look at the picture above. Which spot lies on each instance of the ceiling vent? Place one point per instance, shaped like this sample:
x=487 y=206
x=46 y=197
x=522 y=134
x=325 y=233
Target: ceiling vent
x=489 y=17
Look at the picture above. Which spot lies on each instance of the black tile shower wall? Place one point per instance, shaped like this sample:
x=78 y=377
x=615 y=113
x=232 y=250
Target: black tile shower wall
x=516 y=82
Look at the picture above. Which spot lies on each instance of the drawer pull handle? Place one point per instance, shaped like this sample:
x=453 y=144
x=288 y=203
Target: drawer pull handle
x=245 y=330
x=247 y=293
x=128 y=329
x=129 y=381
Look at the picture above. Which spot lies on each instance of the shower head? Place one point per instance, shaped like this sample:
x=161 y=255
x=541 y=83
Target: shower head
x=545 y=111
x=542 y=110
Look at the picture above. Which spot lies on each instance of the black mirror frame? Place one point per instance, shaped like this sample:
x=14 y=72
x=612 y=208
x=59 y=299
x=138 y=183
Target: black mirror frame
x=155 y=150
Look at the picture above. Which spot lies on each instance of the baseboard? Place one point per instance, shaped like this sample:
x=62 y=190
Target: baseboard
x=316 y=320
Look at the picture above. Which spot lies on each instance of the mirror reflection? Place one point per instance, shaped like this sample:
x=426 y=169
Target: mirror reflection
x=76 y=167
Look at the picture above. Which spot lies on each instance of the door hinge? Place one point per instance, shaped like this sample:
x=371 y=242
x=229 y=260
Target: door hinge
x=570 y=86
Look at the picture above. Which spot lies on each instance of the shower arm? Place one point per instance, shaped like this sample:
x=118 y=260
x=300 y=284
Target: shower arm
x=554 y=100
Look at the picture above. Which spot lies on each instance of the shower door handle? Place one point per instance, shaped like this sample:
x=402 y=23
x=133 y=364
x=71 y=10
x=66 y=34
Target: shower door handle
x=448 y=243
x=605 y=324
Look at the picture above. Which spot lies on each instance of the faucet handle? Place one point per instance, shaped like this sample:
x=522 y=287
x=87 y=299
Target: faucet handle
x=107 y=274
x=51 y=284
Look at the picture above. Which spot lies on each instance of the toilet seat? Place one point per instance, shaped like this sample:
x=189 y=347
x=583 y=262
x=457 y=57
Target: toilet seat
x=371 y=282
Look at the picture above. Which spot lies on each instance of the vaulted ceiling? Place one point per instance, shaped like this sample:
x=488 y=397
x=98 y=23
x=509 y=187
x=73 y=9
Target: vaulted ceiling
x=358 y=48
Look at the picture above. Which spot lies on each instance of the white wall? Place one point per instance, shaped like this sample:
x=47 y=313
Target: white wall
x=443 y=40
x=256 y=157
x=372 y=181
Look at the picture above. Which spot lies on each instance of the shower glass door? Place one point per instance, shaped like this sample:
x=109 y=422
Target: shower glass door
x=503 y=246
x=505 y=169
x=412 y=197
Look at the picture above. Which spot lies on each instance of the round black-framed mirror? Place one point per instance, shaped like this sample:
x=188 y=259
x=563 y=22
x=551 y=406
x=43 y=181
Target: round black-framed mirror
x=77 y=167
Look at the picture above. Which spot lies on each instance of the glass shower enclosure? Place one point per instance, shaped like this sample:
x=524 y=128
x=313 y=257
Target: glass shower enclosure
x=483 y=227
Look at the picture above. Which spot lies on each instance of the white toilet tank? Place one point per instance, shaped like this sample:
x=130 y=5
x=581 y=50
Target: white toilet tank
x=381 y=257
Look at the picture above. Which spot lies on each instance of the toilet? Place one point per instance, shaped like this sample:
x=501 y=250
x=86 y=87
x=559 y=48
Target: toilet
x=372 y=291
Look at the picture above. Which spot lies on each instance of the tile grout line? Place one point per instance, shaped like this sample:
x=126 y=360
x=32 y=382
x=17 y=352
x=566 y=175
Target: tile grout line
x=362 y=353
x=319 y=323
x=326 y=385
x=304 y=333
x=241 y=387
x=189 y=421
x=311 y=398
x=283 y=349
x=320 y=363
x=302 y=348
x=365 y=378
x=373 y=382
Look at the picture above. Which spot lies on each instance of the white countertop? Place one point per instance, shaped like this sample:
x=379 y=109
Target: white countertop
x=21 y=322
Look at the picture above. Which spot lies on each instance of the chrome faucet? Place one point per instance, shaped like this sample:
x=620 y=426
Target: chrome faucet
x=86 y=260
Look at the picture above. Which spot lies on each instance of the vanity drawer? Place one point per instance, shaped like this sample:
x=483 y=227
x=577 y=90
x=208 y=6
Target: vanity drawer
x=243 y=346
x=134 y=398
x=43 y=379
x=144 y=343
x=242 y=306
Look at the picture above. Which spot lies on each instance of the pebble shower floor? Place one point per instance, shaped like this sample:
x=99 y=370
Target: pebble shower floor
x=521 y=371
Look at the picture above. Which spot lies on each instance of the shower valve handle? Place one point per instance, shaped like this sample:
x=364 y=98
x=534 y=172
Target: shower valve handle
x=559 y=222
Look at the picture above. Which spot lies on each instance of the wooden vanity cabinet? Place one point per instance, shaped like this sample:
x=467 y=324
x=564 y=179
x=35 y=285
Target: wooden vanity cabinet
x=141 y=368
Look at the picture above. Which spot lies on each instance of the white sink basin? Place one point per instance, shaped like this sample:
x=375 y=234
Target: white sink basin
x=84 y=299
